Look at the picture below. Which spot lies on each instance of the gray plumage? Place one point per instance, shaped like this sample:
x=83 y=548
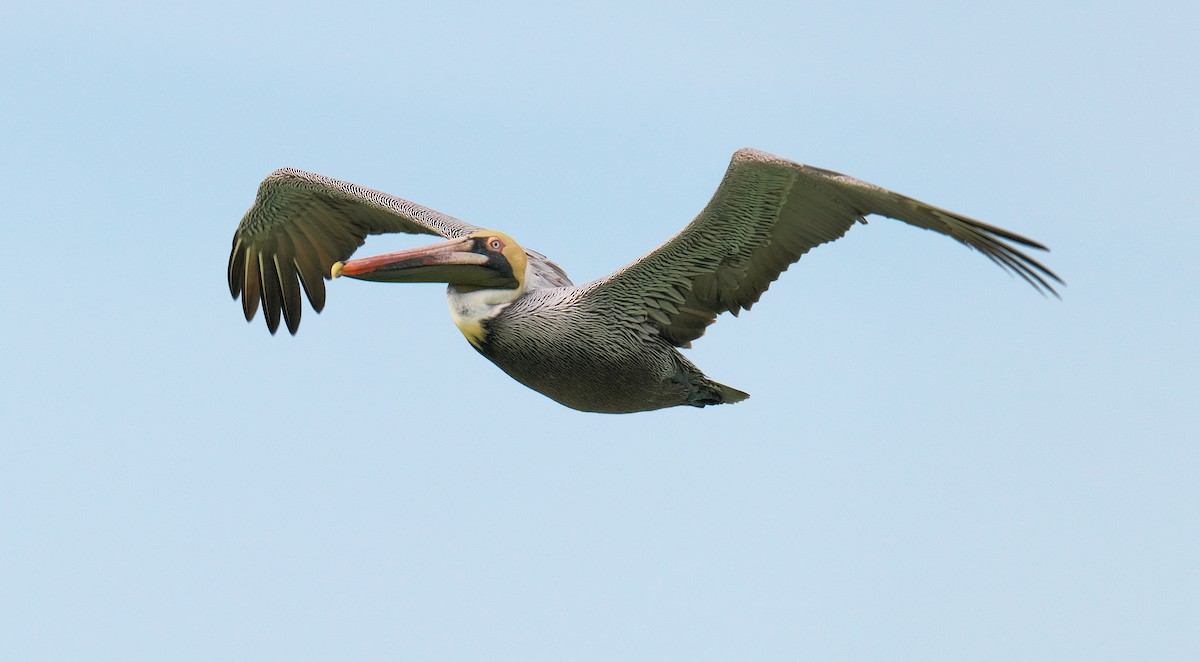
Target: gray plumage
x=609 y=345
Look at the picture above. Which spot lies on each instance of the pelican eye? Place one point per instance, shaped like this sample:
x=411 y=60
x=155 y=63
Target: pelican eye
x=495 y=244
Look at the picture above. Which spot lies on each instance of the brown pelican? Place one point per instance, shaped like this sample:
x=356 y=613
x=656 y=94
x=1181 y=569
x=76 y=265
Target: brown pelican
x=607 y=346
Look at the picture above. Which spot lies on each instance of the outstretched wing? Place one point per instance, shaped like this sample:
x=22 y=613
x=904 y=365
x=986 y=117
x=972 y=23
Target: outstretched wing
x=766 y=213
x=300 y=224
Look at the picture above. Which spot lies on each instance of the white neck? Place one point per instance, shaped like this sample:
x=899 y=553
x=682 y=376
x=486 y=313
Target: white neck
x=470 y=310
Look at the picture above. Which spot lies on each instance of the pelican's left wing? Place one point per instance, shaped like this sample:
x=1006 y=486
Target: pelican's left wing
x=766 y=213
x=300 y=224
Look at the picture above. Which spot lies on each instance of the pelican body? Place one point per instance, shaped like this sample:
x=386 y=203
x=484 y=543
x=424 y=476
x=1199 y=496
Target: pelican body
x=609 y=346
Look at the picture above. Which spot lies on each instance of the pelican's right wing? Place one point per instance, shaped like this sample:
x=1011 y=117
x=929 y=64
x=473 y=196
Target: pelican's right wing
x=766 y=213
x=302 y=223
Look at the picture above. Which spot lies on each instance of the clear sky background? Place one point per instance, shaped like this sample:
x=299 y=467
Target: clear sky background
x=937 y=463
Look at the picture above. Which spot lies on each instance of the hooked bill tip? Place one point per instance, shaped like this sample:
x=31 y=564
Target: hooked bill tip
x=336 y=269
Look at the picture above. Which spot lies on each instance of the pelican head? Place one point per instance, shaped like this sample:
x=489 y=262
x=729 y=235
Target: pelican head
x=485 y=259
x=485 y=271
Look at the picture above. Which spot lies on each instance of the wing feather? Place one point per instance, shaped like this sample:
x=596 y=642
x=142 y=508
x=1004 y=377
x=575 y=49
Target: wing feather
x=767 y=213
x=308 y=266
x=272 y=295
x=237 y=267
x=250 y=284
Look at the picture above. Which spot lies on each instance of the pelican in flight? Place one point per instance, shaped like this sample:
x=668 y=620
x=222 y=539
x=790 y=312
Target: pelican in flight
x=610 y=345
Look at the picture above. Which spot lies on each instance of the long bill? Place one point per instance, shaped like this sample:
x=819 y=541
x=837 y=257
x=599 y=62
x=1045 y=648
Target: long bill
x=456 y=261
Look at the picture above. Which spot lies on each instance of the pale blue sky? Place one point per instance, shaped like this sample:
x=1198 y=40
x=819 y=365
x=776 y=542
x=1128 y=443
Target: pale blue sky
x=936 y=463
